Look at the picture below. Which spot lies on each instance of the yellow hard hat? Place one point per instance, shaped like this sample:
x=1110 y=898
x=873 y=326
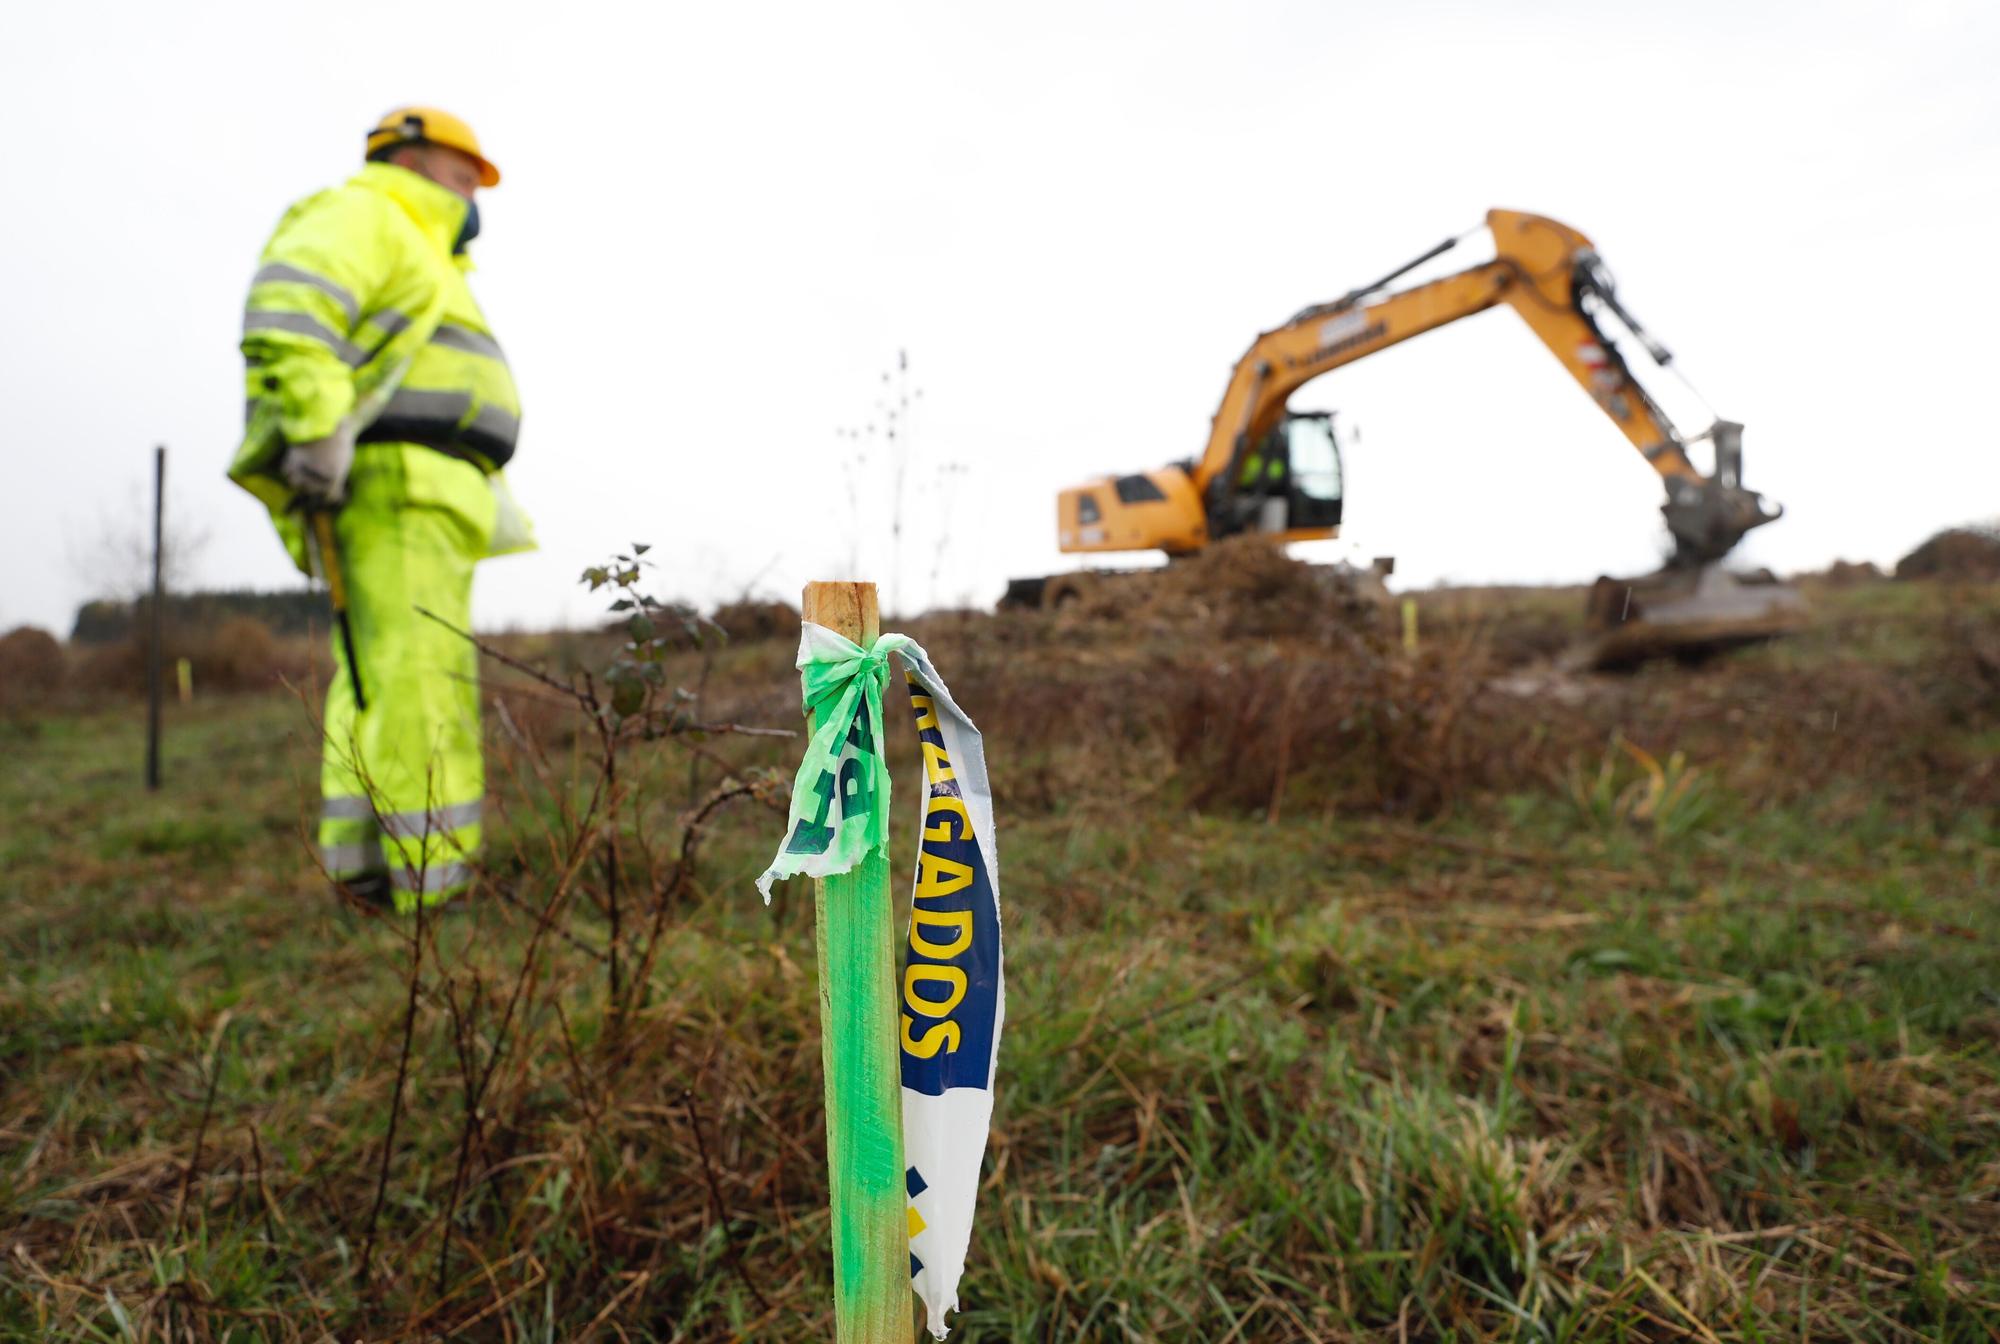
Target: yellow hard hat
x=413 y=125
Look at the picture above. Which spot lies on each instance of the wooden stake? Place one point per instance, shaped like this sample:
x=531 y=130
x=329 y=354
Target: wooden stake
x=864 y=1098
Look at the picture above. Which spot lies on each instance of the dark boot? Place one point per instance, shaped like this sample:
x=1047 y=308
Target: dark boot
x=369 y=892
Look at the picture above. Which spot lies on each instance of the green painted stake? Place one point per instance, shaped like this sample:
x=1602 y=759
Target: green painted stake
x=858 y=1014
x=1409 y=625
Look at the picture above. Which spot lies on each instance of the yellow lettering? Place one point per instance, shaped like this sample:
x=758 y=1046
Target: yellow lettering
x=958 y=920
x=941 y=829
x=920 y=972
x=937 y=765
x=932 y=1040
x=939 y=877
x=926 y=709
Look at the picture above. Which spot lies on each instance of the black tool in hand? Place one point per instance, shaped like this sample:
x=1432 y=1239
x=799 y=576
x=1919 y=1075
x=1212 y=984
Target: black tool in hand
x=321 y=522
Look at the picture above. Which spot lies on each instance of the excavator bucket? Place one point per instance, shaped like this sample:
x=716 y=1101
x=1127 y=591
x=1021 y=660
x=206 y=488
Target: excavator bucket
x=1694 y=607
x=1687 y=614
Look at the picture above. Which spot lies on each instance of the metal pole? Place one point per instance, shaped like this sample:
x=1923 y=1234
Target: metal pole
x=858 y=1016
x=153 y=638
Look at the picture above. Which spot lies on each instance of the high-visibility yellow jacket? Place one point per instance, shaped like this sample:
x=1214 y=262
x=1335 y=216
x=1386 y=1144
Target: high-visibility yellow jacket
x=359 y=292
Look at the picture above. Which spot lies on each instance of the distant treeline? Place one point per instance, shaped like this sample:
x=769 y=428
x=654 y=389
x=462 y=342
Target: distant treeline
x=295 y=611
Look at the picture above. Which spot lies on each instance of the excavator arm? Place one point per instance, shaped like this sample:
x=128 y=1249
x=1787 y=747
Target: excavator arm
x=1551 y=275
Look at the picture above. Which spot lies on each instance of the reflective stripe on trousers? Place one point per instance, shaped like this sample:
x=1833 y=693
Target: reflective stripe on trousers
x=424 y=852
x=359 y=807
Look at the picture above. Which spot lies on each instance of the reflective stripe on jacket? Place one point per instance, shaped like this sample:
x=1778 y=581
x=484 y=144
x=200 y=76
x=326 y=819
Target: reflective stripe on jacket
x=348 y=271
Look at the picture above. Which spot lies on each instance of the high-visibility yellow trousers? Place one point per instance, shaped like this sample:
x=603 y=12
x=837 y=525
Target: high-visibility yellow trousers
x=401 y=781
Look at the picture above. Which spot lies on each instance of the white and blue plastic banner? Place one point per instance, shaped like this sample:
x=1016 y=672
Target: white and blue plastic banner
x=953 y=992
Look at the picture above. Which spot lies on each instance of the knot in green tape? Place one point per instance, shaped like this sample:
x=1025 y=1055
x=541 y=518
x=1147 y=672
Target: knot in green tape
x=840 y=796
x=829 y=673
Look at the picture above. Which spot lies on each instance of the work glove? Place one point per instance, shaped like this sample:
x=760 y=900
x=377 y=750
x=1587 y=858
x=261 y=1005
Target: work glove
x=317 y=471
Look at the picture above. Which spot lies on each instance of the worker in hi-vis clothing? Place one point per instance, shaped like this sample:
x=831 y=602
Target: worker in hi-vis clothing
x=378 y=395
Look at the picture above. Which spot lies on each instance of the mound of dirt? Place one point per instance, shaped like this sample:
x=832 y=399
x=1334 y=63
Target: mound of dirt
x=1957 y=553
x=1247 y=585
x=1241 y=586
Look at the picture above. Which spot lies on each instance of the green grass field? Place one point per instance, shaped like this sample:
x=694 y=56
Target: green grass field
x=1461 y=1020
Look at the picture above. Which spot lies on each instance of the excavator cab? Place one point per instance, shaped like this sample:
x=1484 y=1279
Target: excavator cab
x=1288 y=488
x=1289 y=484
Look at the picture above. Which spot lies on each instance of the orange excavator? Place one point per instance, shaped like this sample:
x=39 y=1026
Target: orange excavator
x=1267 y=470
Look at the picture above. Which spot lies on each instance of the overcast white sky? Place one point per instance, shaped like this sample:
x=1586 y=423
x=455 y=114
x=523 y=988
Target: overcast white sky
x=721 y=222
